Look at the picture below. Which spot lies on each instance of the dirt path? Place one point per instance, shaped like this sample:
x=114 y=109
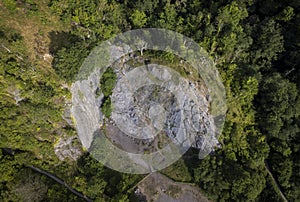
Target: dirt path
x=275 y=183
x=61 y=182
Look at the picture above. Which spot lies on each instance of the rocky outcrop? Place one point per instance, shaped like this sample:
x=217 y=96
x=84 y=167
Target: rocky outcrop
x=67 y=148
x=163 y=100
x=157 y=114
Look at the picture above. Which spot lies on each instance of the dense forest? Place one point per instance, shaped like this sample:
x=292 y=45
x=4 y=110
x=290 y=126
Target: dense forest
x=255 y=44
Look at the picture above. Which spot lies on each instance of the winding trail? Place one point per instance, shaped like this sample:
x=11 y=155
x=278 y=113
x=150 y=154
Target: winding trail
x=60 y=182
x=274 y=182
x=12 y=153
x=138 y=183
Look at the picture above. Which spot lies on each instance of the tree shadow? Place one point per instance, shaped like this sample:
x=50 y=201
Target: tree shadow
x=62 y=39
x=191 y=160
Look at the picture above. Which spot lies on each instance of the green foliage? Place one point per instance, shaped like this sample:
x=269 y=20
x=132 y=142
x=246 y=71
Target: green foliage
x=169 y=18
x=278 y=103
x=67 y=61
x=30 y=187
x=255 y=45
x=25 y=5
x=107 y=107
x=91 y=19
x=178 y=172
x=268 y=45
x=10 y=4
x=138 y=18
x=107 y=84
x=7 y=167
x=286 y=14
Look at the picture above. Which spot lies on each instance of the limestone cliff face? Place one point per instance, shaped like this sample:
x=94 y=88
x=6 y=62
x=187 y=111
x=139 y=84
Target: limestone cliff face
x=171 y=104
x=157 y=113
x=86 y=108
x=162 y=102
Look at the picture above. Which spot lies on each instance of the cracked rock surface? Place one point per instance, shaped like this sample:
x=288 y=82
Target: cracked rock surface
x=66 y=148
x=148 y=102
x=163 y=101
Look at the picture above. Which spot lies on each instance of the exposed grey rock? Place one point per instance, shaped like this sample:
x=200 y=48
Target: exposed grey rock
x=67 y=115
x=15 y=92
x=150 y=103
x=179 y=106
x=67 y=147
x=17 y=96
x=162 y=100
x=86 y=108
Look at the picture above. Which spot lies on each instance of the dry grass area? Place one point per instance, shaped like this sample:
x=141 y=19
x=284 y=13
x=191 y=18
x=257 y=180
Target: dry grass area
x=35 y=27
x=157 y=187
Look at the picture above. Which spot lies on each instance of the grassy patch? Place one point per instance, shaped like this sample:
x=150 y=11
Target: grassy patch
x=33 y=20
